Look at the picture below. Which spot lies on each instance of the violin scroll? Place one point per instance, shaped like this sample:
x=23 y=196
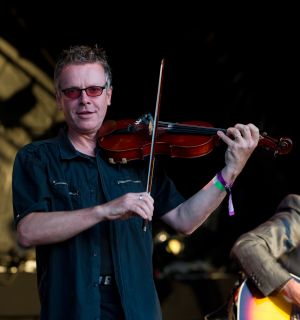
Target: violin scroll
x=279 y=146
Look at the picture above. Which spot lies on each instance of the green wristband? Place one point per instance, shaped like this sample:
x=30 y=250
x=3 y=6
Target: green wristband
x=218 y=184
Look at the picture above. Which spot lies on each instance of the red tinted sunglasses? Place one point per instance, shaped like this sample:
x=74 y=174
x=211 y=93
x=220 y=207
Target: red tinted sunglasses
x=92 y=91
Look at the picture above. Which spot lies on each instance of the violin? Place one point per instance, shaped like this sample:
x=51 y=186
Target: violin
x=126 y=140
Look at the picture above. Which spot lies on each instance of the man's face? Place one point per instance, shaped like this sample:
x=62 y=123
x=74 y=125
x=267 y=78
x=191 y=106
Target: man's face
x=85 y=113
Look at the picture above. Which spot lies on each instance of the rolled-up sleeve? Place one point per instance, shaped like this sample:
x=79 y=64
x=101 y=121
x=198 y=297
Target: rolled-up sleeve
x=29 y=184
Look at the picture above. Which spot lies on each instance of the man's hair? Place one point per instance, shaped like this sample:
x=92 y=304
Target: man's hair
x=82 y=55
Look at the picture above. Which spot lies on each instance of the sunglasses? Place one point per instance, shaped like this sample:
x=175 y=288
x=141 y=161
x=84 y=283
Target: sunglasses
x=92 y=91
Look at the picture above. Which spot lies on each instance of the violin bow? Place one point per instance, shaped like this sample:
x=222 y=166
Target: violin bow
x=154 y=135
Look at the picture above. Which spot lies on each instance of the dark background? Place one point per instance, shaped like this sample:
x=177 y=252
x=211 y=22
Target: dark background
x=224 y=64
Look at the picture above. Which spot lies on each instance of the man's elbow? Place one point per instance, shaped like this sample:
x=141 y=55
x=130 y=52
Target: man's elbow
x=23 y=235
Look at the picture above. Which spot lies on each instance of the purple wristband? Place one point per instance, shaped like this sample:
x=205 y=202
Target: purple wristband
x=227 y=187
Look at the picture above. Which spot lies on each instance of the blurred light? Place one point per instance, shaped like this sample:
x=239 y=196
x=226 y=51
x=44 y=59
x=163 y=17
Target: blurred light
x=30 y=266
x=13 y=269
x=162 y=236
x=175 y=246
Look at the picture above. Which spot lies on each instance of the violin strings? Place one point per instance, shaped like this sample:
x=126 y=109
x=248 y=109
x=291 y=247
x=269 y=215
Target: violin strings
x=187 y=128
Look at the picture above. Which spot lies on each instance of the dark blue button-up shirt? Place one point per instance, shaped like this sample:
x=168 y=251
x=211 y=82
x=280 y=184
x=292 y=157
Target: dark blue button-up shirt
x=50 y=176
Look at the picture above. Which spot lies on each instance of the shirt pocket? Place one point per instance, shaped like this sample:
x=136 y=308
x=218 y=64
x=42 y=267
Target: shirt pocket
x=65 y=196
x=129 y=185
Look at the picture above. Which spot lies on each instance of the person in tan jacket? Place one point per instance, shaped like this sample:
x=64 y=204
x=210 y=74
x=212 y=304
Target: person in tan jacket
x=270 y=253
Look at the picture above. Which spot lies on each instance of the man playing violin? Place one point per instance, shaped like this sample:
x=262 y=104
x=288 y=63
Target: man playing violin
x=84 y=215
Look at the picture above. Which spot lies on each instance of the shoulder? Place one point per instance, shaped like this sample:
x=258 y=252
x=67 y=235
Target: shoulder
x=291 y=201
x=37 y=150
x=36 y=145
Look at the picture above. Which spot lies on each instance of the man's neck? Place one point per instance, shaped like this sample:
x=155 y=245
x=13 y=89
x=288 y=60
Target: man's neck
x=85 y=144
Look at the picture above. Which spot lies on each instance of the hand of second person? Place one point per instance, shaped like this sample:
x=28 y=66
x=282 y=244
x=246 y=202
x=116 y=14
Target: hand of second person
x=291 y=290
x=130 y=204
x=241 y=141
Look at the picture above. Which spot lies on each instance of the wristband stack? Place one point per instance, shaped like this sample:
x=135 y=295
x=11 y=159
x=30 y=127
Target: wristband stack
x=221 y=184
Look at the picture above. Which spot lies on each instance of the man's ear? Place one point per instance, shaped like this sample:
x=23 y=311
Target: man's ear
x=57 y=98
x=109 y=95
x=59 y=107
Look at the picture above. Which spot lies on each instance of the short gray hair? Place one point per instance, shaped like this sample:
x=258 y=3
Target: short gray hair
x=81 y=54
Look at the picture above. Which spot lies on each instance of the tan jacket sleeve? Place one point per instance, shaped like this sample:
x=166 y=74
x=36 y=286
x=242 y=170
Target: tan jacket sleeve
x=259 y=250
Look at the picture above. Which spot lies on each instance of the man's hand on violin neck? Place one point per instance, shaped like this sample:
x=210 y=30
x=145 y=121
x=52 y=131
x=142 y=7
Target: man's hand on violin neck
x=249 y=134
x=241 y=141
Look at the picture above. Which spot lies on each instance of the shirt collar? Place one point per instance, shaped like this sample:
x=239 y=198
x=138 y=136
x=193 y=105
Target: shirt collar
x=67 y=150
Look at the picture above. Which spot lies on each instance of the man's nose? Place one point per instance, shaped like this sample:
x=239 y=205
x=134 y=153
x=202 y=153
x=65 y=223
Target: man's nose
x=84 y=97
